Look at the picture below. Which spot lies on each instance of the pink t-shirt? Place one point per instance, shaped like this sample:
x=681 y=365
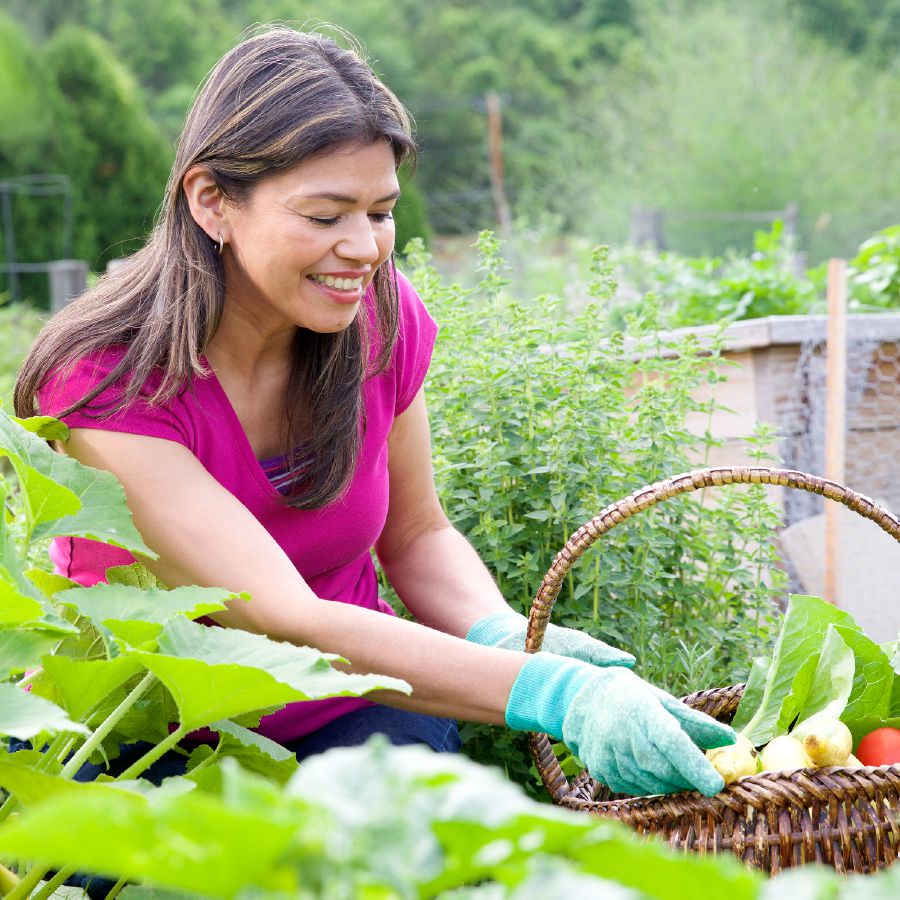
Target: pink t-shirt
x=331 y=547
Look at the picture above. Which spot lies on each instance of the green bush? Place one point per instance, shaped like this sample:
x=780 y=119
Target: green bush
x=540 y=419
x=874 y=272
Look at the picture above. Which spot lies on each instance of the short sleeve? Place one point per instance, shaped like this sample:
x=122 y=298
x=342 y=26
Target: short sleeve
x=417 y=333
x=64 y=387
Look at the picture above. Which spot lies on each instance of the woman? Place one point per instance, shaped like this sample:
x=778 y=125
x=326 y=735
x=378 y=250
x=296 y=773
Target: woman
x=253 y=377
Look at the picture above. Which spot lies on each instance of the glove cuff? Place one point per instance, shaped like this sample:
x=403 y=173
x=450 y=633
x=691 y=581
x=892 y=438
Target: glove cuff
x=542 y=692
x=492 y=629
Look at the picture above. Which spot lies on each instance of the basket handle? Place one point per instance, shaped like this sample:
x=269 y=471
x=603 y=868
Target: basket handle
x=612 y=515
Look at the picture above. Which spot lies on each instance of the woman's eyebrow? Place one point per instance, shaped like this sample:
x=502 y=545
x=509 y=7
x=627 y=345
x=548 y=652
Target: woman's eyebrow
x=341 y=198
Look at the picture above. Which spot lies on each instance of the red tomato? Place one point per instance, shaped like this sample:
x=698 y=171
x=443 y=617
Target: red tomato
x=880 y=747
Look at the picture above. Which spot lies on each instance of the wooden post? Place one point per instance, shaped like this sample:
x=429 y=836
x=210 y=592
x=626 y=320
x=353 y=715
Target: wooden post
x=835 y=416
x=495 y=134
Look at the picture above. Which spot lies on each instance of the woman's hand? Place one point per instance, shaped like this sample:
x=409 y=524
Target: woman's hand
x=632 y=736
x=507 y=629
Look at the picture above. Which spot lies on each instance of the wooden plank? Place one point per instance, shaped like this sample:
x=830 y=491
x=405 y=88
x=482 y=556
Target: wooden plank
x=835 y=415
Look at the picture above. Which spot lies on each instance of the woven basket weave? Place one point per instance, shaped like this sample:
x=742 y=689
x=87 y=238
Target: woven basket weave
x=848 y=819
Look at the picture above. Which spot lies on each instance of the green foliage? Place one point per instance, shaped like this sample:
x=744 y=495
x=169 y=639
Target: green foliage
x=728 y=107
x=19 y=325
x=540 y=419
x=705 y=290
x=874 y=272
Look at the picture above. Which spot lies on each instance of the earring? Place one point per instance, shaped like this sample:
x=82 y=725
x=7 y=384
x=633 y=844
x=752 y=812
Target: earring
x=221 y=244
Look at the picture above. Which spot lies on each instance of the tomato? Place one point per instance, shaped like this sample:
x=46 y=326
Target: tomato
x=880 y=747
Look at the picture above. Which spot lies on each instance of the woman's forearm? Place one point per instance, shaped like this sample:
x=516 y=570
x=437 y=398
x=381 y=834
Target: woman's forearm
x=443 y=582
x=450 y=677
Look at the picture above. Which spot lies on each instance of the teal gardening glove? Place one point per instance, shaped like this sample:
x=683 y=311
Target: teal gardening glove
x=632 y=736
x=507 y=629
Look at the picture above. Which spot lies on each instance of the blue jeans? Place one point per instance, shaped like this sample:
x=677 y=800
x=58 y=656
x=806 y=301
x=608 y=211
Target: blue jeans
x=399 y=726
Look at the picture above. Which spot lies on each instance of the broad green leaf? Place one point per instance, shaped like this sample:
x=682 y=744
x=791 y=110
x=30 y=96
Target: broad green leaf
x=453 y=822
x=873 y=678
x=51 y=483
x=860 y=727
x=16 y=608
x=30 y=786
x=45 y=427
x=82 y=684
x=21 y=650
x=824 y=686
x=255 y=752
x=135 y=615
x=49 y=583
x=195 y=841
x=135 y=575
x=23 y=716
x=753 y=692
x=219 y=673
x=802 y=635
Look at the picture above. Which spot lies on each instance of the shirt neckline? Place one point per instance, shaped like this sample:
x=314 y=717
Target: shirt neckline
x=250 y=460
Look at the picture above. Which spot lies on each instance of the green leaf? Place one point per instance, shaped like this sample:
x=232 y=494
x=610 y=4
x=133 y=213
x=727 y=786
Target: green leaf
x=824 y=686
x=16 y=608
x=255 y=752
x=753 y=692
x=66 y=498
x=135 y=575
x=49 y=583
x=802 y=635
x=21 y=650
x=45 y=427
x=873 y=678
x=82 y=684
x=135 y=614
x=219 y=673
x=861 y=726
x=23 y=716
x=216 y=847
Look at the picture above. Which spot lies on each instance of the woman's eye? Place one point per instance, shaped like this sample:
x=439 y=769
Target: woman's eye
x=322 y=221
x=382 y=216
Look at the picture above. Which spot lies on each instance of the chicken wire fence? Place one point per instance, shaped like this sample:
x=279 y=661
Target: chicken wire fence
x=872 y=436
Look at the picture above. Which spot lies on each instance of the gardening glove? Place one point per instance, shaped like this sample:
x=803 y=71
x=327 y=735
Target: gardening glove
x=632 y=736
x=507 y=629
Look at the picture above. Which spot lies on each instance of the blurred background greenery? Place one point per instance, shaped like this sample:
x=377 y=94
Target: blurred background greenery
x=707 y=110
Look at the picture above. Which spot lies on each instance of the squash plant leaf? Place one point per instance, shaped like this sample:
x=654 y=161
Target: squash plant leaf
x=45 y=427
x=64 y=498
x=220 y=673
x=187 y=841
x=136 y=615
x=21 y=650
x=16 y=607
x=23 y=716
x=82 y=684
x=255 y=752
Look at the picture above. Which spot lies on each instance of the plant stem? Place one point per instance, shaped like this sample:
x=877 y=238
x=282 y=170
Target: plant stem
x=48 y=889
x=95 y=739
x=153 y=754
x=116 y=888
x=8 y=880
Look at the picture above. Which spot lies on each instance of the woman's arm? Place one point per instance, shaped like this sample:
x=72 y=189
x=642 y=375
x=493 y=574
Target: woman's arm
x=205 y=536
x=433 y=568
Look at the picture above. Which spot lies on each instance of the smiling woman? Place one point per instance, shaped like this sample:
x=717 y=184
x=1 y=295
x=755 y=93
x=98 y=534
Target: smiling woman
x=254 y=378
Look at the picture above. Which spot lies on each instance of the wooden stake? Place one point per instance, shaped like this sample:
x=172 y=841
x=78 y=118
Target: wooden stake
x=835 y=416
x=495 y=133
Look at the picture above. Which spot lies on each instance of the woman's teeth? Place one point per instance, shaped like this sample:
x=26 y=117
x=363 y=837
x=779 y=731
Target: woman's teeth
x=339 y=284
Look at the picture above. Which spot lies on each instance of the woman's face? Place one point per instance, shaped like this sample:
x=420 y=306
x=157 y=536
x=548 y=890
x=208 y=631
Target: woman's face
x=304 y=247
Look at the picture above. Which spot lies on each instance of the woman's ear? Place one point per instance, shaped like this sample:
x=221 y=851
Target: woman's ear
x=207 y=203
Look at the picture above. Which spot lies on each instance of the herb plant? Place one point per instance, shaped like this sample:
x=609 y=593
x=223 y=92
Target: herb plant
x=540 y=419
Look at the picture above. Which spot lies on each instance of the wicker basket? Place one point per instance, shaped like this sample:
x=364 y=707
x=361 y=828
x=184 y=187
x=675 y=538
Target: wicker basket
x=848 y=819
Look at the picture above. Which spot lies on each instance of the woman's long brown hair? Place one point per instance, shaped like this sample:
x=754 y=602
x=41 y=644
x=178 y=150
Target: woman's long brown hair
x=277 y=98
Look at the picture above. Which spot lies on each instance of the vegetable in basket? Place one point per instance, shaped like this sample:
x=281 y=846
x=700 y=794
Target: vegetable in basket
x=826 y=685
x=880 y=747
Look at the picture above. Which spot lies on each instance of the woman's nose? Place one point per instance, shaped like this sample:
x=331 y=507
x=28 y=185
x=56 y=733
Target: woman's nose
x=358 y=241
